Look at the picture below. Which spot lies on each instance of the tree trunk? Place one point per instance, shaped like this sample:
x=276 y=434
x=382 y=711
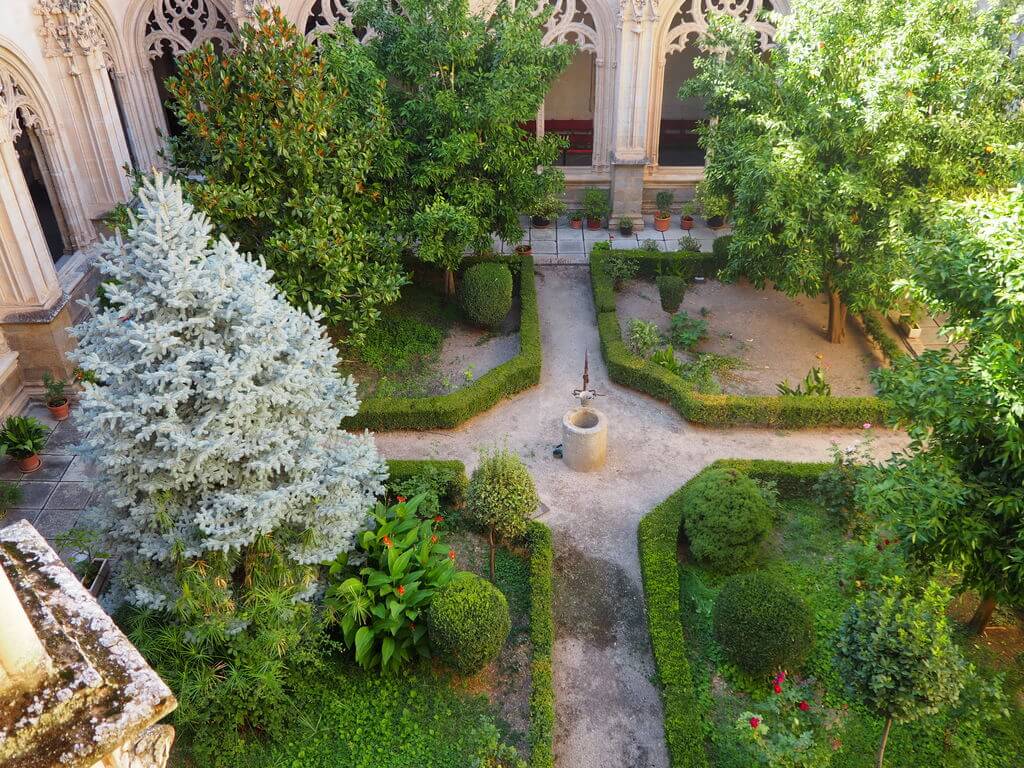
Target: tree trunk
x=983 y=615
x=491 y=543
x=449 y=283
x=885 y=738
x=836 y=317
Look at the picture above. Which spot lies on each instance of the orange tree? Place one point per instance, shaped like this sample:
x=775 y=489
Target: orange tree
x=826 y=148
x=294 y=149
x=460 y=86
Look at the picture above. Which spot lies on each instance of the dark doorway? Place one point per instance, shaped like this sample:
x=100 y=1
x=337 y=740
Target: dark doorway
x=36 y=173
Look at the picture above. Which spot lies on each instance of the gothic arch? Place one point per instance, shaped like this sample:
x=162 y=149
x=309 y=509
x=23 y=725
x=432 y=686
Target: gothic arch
x=320 y=16
x=680 y=26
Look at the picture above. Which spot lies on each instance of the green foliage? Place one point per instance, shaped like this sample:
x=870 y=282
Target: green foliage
x=874 y=330
x=451 y=410
x=460 y=84
x=501 y=495
x=22 y=436
x=670 y=290
x=716 y=409
x=896 y=654
x=687 y=331
x=762 y=624
x=689 y=244
x=10 y=496
x=542 y=634
x=468 y=623
x=644 y=337
x=622 y=265
x=54 y=390
x=720 y=248
x=378 y=610
x=827 y=153
x=486 y=293
x=814 y=385
x=837 y=486
x=595 y=203
x=955 y=494
x=870 y=561
x=295 y=147
x=230 y=662
x=726 y=518
x=663 y=203
x=666 y=358
x=445 y=478
x=787 y=729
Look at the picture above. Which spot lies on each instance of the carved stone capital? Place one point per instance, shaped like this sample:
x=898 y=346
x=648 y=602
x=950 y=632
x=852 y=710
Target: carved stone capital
x=636 y=9
x=69 y=27
x=150 y=750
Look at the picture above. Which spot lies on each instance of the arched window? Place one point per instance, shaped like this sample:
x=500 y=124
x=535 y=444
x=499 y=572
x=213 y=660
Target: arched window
x=678 y=120
x=175 y=27
x=30 y=144
x=324 y=15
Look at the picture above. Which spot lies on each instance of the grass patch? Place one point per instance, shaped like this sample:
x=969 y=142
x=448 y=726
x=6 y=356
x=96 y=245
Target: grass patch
x=704 y=695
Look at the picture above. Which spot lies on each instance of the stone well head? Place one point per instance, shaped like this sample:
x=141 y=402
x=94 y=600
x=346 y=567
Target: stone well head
x=584 y=439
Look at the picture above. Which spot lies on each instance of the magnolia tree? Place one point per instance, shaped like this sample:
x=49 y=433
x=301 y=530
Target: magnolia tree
x=216 y=413
x=460 y=86
x=826 y=150
x=955 y=497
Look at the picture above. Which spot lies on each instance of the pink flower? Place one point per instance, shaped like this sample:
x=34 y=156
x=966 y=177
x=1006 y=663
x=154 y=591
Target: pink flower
x=754 y=722
x=780 y=678
x=866 y=425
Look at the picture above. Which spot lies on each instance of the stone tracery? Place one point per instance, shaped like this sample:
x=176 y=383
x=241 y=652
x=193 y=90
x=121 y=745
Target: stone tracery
x=16 y=108
x=183 y=25
x=690 y=22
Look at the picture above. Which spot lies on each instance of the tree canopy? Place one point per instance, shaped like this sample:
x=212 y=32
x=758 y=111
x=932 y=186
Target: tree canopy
x=291 y=150
x=460 y=86
x=826 y=150
x=956 y=495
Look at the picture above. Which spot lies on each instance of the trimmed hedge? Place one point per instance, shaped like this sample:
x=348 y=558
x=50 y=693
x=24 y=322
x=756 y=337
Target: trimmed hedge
x=541 y=733
x=449 y=411
x=875 y=330
x=687 y=714
x=627 y=369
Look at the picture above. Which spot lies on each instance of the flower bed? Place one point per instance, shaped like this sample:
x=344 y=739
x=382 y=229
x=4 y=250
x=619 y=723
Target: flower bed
x=708 y=701
x=714 y=409
x=450 y=410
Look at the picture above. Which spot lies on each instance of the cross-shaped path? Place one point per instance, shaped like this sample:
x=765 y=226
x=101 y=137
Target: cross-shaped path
x=608 y=710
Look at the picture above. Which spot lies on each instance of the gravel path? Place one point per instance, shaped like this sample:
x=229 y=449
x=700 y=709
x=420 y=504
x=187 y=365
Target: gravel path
x=608 y=710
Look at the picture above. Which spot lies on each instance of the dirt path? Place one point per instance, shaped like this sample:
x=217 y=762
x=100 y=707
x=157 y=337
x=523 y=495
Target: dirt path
x=608 y=710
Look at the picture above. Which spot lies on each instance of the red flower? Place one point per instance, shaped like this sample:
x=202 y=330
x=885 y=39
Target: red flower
x=777 y=688
x=439 y=519
x=433 y=539
x=780 y=678
x=451 y=555
x=387 y=541
x=804 y=706
x=400 y=590
x=401 y=499
x=754 y=722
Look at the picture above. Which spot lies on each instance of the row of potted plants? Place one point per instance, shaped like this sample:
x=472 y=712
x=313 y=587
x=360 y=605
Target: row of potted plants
x=595 y=207
x=23 y=437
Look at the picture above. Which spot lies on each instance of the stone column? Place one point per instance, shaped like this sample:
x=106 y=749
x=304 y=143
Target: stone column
x=629 y=146
x=76 y=49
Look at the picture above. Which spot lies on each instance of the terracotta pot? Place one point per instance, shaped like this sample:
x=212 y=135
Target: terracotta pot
x=30 y=463
x=60 y=412
x=593 y=223
x=576 y=223
x=524 y=250
x=686 y=222
x=661 y=224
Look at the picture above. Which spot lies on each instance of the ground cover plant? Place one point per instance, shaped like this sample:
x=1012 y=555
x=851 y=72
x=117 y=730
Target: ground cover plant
x=811 y=713
x=691 y=387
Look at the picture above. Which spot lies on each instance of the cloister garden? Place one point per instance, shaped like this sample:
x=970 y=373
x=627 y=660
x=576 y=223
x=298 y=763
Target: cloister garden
x=325 y=389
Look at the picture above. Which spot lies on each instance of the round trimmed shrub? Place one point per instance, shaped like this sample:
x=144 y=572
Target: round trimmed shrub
x=671 y=289
x=501 y=495
x=727 y=519
x=486 y=293
x=762 y=624
x=468 y=623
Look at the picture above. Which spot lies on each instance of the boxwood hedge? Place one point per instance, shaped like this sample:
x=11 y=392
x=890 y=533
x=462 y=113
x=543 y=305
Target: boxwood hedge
x=717 y=410
x=687 y=712
x=450 y=410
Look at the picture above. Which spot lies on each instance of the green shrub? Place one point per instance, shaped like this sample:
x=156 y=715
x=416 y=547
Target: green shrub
x=689 y=244
x=644 y=337
x=595 y=203
x=671 y=289
x=501 y=497
x=486 y=293
x=468 y=622
x=762 y=624
x=622 y=265
x=446 y=477
x=687 y=331
x=720 y=247
x=727 y=519
x=542 y=636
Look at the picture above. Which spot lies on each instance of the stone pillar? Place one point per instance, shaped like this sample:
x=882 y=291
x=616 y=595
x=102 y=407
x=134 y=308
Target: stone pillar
x=629 y=146
x=76 y=49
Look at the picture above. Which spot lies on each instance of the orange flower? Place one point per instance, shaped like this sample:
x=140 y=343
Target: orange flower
x=451 y=555
x=387 y=542
x=400 y=590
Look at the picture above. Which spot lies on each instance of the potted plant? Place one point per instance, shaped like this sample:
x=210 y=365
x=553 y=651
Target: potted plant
x=576 y=220
x=686 y=218
x=523 y=250
x=56 y=397
x=548 y=209
x=81 y=547
x=22 y=438
x=10 y=496
x=625 y=226
x=595 y=207
x=909 y=320
x=663 y=213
